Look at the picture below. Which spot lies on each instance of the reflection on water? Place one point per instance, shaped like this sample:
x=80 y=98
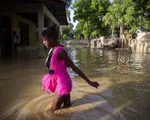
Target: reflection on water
x=124 y=93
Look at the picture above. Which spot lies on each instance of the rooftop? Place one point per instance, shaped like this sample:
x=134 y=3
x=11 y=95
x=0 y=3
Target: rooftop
x=56 y=7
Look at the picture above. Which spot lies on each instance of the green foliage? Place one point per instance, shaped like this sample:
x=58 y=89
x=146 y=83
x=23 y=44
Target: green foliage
x=90 y=13
x=143 y=14
x=68 y=14
x=82 y=9
x=143 y=8
x=68 y=3
x=119 y=13
x=65 y=31
x=78 y=30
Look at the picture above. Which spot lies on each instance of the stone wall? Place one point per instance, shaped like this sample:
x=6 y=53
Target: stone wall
x=143 y=36
x=141 y=43
x=98 y=42
x=104 y=41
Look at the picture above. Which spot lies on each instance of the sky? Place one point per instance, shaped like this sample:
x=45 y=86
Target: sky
x=72 y=14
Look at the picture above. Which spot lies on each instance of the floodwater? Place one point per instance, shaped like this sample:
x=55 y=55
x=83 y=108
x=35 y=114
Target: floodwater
x=124 y=91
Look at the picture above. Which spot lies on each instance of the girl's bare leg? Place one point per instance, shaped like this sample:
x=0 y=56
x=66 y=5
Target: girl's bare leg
x=66 y=101
x=57 y=102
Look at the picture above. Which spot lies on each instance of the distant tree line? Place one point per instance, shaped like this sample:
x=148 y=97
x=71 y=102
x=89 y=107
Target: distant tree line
x=102 y=17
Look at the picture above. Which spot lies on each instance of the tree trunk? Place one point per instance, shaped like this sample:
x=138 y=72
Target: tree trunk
x=121 y=34
x=89 y=42
x=112 y=32
x=121 y=30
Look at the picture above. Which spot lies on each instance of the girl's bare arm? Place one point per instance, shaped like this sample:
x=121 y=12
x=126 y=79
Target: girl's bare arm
x=63 y=55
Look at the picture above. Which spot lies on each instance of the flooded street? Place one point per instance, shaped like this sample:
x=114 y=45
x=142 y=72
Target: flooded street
x=124 y=91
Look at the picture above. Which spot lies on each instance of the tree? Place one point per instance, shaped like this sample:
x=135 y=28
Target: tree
x=110 y=20
x=90 y=13
x=121 y=13
x=65 y=31
x=68 y=3
x=68 y=15
x=99 y=9
x=82 y=11
x=142 y=14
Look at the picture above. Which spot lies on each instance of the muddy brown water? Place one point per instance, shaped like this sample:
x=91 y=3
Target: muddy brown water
x=124 y=93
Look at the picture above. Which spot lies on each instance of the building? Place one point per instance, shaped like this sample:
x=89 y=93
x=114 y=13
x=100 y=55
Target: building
x=28 y=18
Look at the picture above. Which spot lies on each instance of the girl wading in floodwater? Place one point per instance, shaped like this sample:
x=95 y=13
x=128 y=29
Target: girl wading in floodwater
x=58 y=79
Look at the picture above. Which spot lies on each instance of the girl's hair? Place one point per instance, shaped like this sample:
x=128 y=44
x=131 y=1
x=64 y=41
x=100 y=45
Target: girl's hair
x=51 y=33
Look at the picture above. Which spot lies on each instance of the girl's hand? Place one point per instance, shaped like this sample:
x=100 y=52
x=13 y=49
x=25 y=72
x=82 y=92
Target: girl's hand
x=94 y=84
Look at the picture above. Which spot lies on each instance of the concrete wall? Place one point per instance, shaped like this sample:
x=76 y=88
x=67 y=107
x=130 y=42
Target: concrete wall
x=32 y=34
x=96 y=43
x=99 y=42
x=141 y=43
x=32 y=26
x=143 y=36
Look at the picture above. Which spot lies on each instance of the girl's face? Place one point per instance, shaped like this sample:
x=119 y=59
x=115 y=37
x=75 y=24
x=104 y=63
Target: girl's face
x=45 y=42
